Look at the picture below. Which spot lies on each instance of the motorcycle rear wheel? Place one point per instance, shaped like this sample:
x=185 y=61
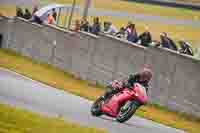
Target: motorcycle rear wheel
x=96 y=107
x=127 y=111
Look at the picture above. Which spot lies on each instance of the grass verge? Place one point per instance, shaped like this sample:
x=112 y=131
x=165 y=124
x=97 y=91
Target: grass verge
x=62 y=80
x=13 y=120
x=131 y=7
x=139 y=8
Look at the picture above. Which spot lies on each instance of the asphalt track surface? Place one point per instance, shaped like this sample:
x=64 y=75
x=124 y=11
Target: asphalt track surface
x=17 y=90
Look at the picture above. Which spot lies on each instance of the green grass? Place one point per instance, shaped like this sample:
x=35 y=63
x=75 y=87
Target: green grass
x=130 y=7
x=176 y=32
x=13 y=120
x=134 y=7
x=73 y=84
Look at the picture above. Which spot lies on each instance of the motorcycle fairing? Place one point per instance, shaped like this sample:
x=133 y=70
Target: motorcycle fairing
x=112 y=106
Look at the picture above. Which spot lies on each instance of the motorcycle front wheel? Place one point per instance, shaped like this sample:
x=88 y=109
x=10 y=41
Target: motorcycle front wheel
x=96 y=107
x=127 y=111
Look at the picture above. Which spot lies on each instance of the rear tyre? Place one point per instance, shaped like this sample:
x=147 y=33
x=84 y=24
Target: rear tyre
x=96 y=107
x=127 y=111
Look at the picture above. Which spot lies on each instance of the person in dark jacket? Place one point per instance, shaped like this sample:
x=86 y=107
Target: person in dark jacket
x=96 y=27
x=19 y=12
x=27 y=14
x=167 y=42
x=142 y=78
x=145 y=38
x=185 y=48
x=84 y=25
x=54 y=14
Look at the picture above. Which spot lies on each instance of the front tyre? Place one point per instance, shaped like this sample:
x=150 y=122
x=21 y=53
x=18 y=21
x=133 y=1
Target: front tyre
x=127 y=111
x=96 y=107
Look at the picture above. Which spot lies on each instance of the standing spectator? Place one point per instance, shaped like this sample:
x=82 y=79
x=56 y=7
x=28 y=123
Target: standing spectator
x=96 y=27
x=54 y=14
x=35 y=9
x=121 y=33
x=167 y=42
x=112 y=30
x=50 y=19
x=128 y=25
x=84 y=25
x=19 y=12
x=131 y=33
x=76 y=26
x=35 y=18
x=145 y=38
x=105 y=26
x=27 y=14
x=185 y=48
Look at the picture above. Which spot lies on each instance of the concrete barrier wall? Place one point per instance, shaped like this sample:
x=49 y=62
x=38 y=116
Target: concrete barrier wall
x=32 y=40
x=176 y=81
x=176 y=77
x=4 y=30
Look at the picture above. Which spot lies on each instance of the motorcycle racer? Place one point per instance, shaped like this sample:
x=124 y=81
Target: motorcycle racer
x=143 y=77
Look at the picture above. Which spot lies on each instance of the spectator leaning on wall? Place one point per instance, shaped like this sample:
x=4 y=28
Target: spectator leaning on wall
x=19 y=12
x=84 y=26
x=121 y=33
x=167 y=42
x=54 y=14
x=185 y=48
x=112 y=30
x=35 y=18
x=131 y=33
x=76 y=26
x=105 y=26
x=145 y=38
x=35 y=9
x=96 y=27
x=27 y=14
x=50 y=19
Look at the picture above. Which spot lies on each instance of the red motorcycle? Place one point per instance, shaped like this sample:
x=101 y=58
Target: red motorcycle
x=121 y=105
